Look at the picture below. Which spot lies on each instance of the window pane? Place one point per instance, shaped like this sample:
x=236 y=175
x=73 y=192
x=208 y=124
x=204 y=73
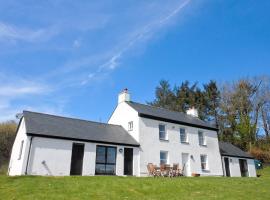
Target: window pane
x=110 y=169
x=111 y=155
x=100 y=155
x=163 y=157
x=162 y=127
x=100 y=169
x=162 y=132
x=183 y=137
x=201 y=138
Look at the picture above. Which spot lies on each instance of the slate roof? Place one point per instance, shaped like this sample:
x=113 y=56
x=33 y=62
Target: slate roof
x=46 y=125
x=227 y=149
x=169 y=116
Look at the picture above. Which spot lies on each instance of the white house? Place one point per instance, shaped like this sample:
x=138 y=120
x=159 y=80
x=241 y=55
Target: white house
x=135 y=135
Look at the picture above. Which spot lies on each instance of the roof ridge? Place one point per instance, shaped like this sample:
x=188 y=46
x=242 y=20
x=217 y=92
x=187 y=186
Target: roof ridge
x=169 y=110
x=53 y=115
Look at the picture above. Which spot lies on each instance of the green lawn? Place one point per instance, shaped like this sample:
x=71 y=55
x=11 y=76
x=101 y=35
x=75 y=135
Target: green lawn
x=99 y=187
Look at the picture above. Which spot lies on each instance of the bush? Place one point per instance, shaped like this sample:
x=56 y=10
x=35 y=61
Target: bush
x=7 y=137
x=260 y=154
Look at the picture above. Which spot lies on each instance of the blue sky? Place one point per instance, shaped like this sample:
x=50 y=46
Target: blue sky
x=73 y=57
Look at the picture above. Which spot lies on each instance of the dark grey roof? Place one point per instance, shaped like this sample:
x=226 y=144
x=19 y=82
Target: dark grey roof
x=227 y=149
x=40 y=124
x=169 y=116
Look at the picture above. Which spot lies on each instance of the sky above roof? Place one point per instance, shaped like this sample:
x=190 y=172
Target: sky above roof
x=73 y=58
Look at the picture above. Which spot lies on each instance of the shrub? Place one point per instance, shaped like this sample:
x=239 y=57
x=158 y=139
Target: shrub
x=7 y=137
x=260 y=154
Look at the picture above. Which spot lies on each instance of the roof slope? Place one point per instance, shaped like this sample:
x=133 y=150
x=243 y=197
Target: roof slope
x=227 y=149
x=40 y=124
x=169 y=116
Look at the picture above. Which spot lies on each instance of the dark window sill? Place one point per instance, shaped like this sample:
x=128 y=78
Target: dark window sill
x=184 y=142
x=163 y=140
x=203 y=145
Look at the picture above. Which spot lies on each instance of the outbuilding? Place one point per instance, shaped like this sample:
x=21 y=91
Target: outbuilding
x=236 y=162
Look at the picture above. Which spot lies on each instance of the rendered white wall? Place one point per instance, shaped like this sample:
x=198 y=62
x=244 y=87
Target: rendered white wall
x=151 y=147
x=57 y=156
x=235 y=167
x=17 y=166
x=124 y=114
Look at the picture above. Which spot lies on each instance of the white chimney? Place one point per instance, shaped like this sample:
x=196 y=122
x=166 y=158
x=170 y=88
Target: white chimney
x=193 y=112
x=123 y=96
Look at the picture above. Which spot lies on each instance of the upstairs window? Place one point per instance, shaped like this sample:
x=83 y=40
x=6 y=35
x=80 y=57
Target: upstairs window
x=204 y=162
x=162 y=132
x=163 y=157
x=130 y=126
x=201 y=136
x=183 y=135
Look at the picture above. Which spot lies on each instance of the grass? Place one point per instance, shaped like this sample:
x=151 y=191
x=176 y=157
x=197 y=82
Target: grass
x=100 y=187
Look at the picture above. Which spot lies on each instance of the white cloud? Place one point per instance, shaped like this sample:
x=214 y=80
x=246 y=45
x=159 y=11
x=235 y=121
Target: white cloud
x=13 y=33
x=143 y=34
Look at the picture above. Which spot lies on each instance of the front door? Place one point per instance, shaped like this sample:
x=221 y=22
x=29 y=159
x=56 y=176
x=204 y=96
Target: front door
x=128 y=161
x=243 y=167
x=185 y=164
x=227 y=167
x=77 y=159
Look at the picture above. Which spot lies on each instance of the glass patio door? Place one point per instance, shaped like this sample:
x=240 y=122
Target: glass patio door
x=105 y=160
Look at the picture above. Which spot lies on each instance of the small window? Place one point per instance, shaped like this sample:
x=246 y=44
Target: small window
x=162 y=132
x=130 y=126
x=201 y=138
x=204 y=162
x=163 y=157
x=183 y=135
x=21 y=148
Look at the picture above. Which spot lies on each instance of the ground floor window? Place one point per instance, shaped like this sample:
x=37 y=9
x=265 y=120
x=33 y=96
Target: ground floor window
x=105 y=160
x=163 y=157
x=204 y=162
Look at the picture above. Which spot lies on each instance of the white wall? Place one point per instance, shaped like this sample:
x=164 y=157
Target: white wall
x=17 y=166
x=57 y=156
x=151 y=147
x=235 y=167
x=124 y=114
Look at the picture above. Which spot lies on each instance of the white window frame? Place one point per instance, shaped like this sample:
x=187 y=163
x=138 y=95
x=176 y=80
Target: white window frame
x=21 y=149
x=186 y=135
x=130 y=126
x=167 y=157
x=165 y=132
x=203 y=143
x=204 y=162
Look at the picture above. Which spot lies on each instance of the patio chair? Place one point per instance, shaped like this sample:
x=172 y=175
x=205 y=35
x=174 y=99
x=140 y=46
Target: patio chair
x=176 y=170
x=168 y=170
x=151 y=169
x=162 y=170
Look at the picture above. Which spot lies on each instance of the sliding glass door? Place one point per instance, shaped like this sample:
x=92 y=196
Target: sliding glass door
x=105 y=160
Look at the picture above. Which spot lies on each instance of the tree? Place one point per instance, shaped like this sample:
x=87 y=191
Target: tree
x=165 y=97
x=7 y=137
x=211 y=101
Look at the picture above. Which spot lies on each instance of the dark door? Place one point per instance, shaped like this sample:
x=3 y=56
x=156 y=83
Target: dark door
x=227 y=167
x=128 y=161
x=77 y=159
x=243 y=167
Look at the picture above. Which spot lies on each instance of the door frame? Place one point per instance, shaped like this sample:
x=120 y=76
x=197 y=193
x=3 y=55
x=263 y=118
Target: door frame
x=71 y=161
x=187 y=164
x=243 y=164
x=227 y=167
x=132 y=163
